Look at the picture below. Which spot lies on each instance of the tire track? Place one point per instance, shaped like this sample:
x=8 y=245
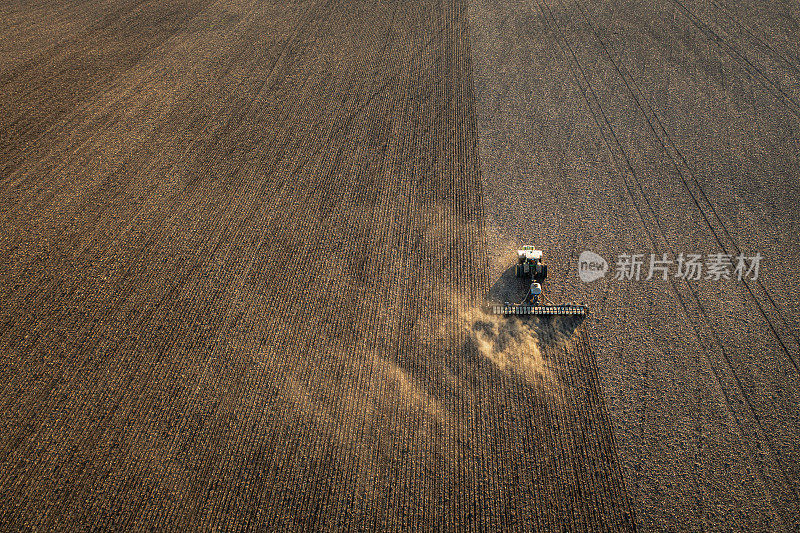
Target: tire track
x=702 y=332
x=631 y=84
x=772 y=86
x=683 y=169
x=751 y=32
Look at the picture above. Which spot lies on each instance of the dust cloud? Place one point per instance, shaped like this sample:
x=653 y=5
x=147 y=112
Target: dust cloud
x=511 y=344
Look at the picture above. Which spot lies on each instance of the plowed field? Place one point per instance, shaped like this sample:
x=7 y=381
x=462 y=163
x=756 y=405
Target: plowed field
x=244 y=248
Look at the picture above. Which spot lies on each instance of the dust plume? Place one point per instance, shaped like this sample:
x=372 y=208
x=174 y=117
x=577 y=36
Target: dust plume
x=511 y=344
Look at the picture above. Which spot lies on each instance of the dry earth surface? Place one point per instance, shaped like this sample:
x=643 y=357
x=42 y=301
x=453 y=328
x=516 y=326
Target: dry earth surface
x=662 y=127
x=244 y=247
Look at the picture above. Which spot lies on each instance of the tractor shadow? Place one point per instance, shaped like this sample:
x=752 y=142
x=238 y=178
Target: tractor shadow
x=509 y=288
